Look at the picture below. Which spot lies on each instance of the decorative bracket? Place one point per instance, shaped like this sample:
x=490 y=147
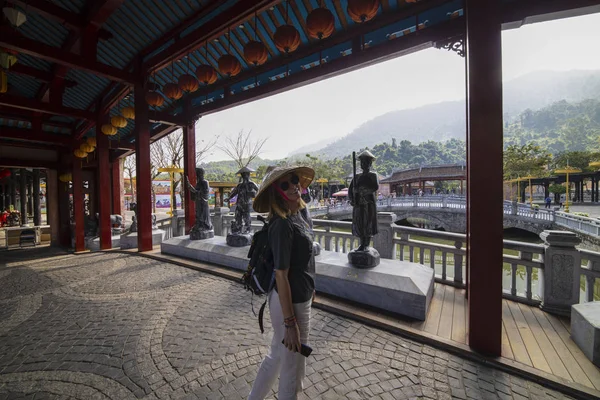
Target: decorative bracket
x=454 y=43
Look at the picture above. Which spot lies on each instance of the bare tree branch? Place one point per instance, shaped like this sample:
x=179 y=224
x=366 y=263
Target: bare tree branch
x=242 y=149
x=129 y=167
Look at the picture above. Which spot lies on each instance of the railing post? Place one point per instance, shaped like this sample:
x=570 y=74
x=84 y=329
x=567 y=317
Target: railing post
x=415 y=203
x=458 y=263
x=217 y=220
x=515 y=208
x=562 y=271
x=383 y=240
x=328 y=238
x=444 y=202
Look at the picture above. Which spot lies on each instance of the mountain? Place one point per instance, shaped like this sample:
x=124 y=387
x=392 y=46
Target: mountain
x=446 y=120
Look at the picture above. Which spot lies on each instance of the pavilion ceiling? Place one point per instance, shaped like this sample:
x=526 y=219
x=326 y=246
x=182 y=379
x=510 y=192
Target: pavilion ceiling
x=79 y=58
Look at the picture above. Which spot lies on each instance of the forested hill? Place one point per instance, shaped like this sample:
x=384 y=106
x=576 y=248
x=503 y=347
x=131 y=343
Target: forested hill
x=563 y=126
x=446 y=120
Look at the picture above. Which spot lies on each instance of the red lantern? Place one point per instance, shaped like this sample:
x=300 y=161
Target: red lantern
x=320 y=23
x=206 y=74
x=286 y=38
x=255 y=53
x=188 y=83
x=362 y=10
x=229 y=65
x=172 y=91
x=154 y=99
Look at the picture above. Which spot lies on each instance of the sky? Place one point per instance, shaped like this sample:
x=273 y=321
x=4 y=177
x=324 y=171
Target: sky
x=332 y=108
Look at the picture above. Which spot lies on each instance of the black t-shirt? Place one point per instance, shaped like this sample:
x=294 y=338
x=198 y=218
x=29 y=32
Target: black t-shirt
x=291 y=242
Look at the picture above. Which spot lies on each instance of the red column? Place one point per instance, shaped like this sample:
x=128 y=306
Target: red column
x=142 y=168
x=117 y=187
x=103 y=192
x=189 y=165
x=78 y=205
x=484 y=174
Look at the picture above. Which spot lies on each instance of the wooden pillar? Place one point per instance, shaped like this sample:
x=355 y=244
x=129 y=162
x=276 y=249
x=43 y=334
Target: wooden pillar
x=189 y=170
x=484 y=174
x=78 y=211
x=142 y=168
x=64 y=214
x=117 y=187
x=29 y=195
x=37 y=208
x=52 y=208
x=104 y=194
x=13 y=188
x=23 y=195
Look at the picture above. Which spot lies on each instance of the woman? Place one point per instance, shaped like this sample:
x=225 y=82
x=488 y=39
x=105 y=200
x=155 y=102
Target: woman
x=289 y=304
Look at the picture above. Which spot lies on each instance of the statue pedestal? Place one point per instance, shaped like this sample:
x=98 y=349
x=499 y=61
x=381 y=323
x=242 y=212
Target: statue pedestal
x=93 y=243
x=239 y=239
x=201 y=234
x=368 y=258
x=130 y=240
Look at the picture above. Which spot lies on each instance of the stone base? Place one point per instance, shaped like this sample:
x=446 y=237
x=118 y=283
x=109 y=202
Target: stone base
x=368 y=258
x=201 y=235
x=397 y=286
x=564 y=310
x=214 y=250
x=130 y=240
x=239 y=239
x=585 y=329
x=93 y=243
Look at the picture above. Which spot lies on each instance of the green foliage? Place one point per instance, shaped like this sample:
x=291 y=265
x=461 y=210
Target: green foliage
x=575 y=159
x=525 y=160
x=557 y=189
x=560 y=127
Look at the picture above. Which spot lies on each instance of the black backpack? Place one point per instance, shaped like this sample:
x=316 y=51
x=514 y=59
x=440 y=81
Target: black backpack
x=259 y=278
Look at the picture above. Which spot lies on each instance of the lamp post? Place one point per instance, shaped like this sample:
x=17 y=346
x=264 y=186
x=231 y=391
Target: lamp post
x=172 y=171
x=568 y=170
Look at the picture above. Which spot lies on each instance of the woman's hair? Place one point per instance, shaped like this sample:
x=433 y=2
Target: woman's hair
x=278 y=206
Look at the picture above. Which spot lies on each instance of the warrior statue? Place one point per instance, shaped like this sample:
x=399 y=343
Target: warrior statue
x=241 y=227
x=363 y=195
x=203 y=228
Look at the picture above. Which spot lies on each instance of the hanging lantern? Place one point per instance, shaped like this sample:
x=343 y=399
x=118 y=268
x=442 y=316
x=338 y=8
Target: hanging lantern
x=206 y=74
x=7 y=58
x=86 y=147
x=362 y=10
x=188 y=83
x=91 y=141
x=118 y=121
x=80 y=153
x=108 y=130
x=255 y=53
x=229 y=65
x=128 y=112
x=286 y=38
x=155 y=99
x=14 y=16
x=320 y=23
x=172 y=91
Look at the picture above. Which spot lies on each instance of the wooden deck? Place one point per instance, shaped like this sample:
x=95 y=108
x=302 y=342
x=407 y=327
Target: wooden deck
x=530 y=336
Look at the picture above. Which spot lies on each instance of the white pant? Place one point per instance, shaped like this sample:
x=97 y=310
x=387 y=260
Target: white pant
x=290 y=366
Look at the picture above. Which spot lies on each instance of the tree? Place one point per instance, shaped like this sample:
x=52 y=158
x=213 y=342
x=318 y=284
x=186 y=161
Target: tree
x=242 y=149
x=526 y=160
x=575 y=159
x=557 y=190
x=129 y=167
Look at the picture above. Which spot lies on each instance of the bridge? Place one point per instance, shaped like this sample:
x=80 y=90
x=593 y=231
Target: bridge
x=449 y=213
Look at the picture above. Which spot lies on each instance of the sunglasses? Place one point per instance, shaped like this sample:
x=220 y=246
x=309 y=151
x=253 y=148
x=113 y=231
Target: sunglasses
x=294 y=180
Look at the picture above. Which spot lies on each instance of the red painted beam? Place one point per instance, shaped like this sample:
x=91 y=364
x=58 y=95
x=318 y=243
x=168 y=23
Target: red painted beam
x=241 y=11
x=65 y=17
x=35 y=136
x=189 y=170
x=18 y=114
x=40 y=75
x=78 y=212
x=59 y=56
x=117 y=187
x=18 y=163
x=46 y=108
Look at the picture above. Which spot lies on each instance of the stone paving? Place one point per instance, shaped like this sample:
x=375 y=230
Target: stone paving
x=119 y=326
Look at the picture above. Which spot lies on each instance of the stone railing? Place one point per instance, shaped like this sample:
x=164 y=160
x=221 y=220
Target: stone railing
x=589 y=226
x=590 y=271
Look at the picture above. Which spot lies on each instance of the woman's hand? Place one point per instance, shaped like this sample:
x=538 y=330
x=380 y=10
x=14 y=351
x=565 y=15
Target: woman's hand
x=291 y=340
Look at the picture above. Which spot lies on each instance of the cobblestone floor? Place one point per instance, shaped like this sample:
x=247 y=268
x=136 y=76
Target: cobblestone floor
x=116 y=326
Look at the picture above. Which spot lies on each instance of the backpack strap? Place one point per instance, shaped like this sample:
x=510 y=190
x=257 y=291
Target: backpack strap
x=261 y=314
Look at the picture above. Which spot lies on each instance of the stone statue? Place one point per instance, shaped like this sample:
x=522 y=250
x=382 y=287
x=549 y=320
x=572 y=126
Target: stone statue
x=245 y=191
x=363 y=196
x=203 y=228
